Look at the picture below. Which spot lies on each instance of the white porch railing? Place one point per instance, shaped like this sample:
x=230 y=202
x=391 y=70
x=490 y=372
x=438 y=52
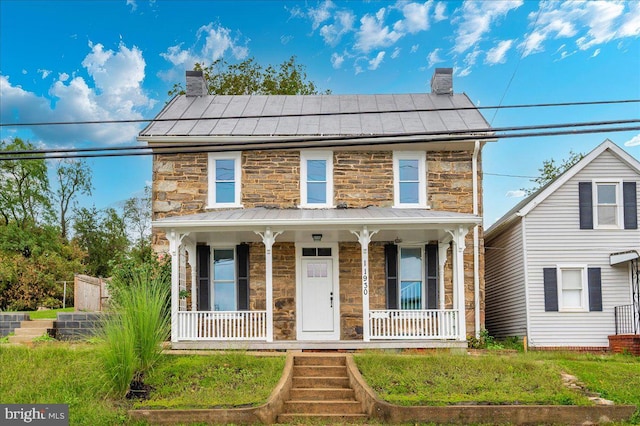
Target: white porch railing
x=413 y=324
x=229 y=325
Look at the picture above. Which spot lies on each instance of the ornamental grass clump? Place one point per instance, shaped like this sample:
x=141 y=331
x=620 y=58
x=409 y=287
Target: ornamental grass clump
x=135 y=328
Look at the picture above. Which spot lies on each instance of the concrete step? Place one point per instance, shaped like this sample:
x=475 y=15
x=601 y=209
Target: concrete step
x=329 y=419
x=319 y=371
x=320 y=382
x=37 y=324
x=30 y=332
x=322 y=394
x=21 y=339
x=335 y=360
x=323 y=407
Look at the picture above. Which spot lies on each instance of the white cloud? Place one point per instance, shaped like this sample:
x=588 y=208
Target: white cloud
x=116 y=94
x=498 y=53
x=532 y=43
x=375 y=62
x=477 y=18
x=212 y=42
x=396 y=53
x=595 y=53
x=416 y=17
x=414 y=48
x=438 y=14
x=343 y=24
x=374 y=34
x=44 y=73
x=434 y=57
x=634 y=141
x=518 y=193
x=285 y=39
x=337 y=60
x=133 y=4
x=320 y=14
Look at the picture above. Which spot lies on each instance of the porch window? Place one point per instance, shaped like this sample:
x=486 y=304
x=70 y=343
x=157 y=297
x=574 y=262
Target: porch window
x=316 y=186
x=409 y=171
x=411 y=274
x=224 y=280
x=224 y=179
x=411 y=277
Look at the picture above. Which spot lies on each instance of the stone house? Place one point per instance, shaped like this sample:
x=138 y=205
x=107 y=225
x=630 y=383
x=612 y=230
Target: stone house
x=321 y=221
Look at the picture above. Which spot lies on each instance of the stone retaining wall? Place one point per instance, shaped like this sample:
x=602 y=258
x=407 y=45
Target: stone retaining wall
x=76 y=325
x=10 y=321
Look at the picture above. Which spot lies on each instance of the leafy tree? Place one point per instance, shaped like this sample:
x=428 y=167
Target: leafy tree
x=74 y=178
x=550 y=171
x=24 y=187
x=250 y=78
x=137 y=215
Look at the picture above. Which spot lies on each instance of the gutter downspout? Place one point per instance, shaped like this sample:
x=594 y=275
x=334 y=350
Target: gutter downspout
x=476 y=252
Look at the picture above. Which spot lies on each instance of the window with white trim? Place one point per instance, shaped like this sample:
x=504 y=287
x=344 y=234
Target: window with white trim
x=224 y=296
x=572 y=288
x=316 y=179
x=409 y=179
x=607 y=206
x=224 y=179
x=411 y=278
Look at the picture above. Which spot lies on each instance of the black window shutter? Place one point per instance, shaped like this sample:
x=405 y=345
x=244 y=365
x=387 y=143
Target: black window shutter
x=630 y=203
x=203 y=264
x=595 y=289
x=242 y=253
x=585 y=200
x=431 y=254
x=391 y=275
x=550 y=289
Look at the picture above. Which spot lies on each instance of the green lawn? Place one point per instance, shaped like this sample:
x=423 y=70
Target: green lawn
x=47 y=313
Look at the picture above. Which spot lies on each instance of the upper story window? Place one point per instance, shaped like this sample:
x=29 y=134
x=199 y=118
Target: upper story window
x=607 y=209
x=409 y=179
x=224 y=179
x=316 y=179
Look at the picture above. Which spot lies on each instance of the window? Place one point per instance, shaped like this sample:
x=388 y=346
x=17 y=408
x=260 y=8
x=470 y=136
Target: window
x=316 y=181
x=606 y=210
x=572 y=288
x=224 y=280
x=224 y=179
x=409 y=176
x=411 y=278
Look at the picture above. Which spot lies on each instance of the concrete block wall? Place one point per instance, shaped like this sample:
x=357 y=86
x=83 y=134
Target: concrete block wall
x=10 y=321
x=76 y=325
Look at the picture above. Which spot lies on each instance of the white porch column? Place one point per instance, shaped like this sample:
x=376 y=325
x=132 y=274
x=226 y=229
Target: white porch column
x=191 y=251
x=268 y=239
x=364 y=238
x=458 y=279
x=174 y=244
x=442 y=260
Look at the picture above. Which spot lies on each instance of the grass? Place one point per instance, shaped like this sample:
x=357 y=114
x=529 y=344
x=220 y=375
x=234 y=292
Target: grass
x=47 y=313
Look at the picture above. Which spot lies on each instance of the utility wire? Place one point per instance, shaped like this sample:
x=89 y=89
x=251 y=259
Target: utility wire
x=321 y=114
x=470 y=134
x=331 y=143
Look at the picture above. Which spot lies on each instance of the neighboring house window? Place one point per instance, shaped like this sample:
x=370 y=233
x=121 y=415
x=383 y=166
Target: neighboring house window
x=606 y=205
x=224 y=280
x=574 y=288
x=316 y=186
x=409 y=179
x=412 y=280
x=224 y=179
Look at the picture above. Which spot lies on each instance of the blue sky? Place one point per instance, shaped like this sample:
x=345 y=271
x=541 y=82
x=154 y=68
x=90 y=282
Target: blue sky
x=109 y=60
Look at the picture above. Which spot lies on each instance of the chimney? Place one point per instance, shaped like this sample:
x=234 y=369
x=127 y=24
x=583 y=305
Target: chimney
x=196 y=84
x=442 y=81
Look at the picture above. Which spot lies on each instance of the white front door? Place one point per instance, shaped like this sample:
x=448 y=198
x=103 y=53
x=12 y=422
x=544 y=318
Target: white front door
x=318 y=315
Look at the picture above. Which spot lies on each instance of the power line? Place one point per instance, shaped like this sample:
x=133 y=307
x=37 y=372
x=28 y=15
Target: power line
x=513 y=176
x=331 y=143
x=321 y=114
x=470 y=134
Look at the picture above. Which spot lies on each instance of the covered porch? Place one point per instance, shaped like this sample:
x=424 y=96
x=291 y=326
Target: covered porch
x=318 y=278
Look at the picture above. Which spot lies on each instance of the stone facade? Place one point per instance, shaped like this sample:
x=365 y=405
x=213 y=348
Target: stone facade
x=271 y=179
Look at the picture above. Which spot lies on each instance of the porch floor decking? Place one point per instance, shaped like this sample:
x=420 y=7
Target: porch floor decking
x=282 y=345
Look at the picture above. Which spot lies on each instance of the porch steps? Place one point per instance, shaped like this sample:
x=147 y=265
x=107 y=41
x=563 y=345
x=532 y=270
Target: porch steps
x=321 y=392
x=29 y=330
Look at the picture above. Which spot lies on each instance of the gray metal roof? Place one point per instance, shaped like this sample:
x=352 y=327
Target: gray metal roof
x=315 y=115
x=335 y=218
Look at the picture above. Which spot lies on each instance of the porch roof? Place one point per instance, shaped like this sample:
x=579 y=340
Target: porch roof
x=378 y=217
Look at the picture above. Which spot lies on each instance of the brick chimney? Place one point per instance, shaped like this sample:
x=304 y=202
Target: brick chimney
x=442 y=81
x=196 y=84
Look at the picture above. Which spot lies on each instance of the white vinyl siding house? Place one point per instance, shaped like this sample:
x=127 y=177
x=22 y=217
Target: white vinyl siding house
x=554 y=245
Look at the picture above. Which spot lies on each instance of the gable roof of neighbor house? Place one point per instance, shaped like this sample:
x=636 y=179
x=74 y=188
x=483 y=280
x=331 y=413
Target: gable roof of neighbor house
x=529 y=203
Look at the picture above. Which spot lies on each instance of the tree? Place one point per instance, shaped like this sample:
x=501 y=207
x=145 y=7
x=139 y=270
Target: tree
x=250 y=78
x=24 y=187
x=550 y=171
x=137 y=215
x=74 y=178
